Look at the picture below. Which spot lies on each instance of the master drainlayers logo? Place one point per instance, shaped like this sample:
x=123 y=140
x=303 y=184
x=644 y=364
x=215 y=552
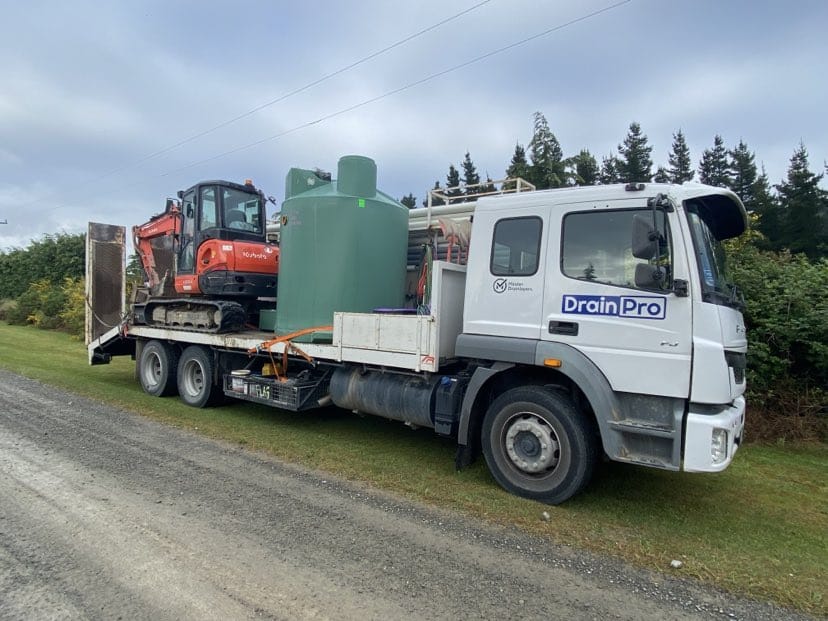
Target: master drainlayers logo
x=628 y=306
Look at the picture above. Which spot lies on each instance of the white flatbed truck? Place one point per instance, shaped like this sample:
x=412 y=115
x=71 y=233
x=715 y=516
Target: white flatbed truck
x=586 y=322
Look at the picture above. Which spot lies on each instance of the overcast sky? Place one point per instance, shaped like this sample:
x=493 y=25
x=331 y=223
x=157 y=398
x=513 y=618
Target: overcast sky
x=89 y=90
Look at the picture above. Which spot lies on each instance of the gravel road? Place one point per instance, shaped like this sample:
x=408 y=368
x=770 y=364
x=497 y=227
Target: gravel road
x=107 y=515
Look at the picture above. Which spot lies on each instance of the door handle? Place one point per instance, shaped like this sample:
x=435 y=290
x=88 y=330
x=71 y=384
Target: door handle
x=567 y=328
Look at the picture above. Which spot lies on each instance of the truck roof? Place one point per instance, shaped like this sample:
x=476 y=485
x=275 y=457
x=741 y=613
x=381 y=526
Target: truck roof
x=593 y=193
x=728 y=215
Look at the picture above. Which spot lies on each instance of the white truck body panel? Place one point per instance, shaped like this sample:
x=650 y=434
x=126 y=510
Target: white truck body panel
x=411 y=342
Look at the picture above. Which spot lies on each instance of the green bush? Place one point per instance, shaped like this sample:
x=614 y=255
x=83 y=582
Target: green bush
x=52 y=258
x=27 y=305
x=74 y=308
x=787 y=322
x=49 y=307
x=5 y=306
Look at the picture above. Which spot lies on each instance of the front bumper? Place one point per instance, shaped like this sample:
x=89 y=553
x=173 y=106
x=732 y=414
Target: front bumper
x=704 y=429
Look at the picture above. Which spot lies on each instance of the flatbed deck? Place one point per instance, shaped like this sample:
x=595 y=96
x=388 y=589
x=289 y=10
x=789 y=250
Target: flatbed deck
x=402 y=341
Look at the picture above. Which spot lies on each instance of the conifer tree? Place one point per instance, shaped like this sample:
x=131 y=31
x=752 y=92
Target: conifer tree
x=803 y=205
x=681 y=166
x=609 y=170
x=743 y=175
x=453 y=182
x=434 y=201
x=767 y=208
x=584 y=168
x=470 y=177
x=634 y=163
x=489 y=187
x=547 y=169
x=714 y=167
x=409 y=200
x=662 y=175
x=518 y=167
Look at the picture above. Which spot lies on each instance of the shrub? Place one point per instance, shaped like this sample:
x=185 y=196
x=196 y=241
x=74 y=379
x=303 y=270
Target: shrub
x=787 y=321
x=50 y=307
x=6 y=306
x=72 y=316
x=27 y=304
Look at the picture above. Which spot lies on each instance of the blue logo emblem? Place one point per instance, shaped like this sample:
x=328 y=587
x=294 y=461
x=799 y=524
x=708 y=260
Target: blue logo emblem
x=629 y=306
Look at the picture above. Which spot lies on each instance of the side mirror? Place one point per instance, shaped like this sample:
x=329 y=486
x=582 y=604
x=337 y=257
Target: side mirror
x=650 y=276
x=644 y=238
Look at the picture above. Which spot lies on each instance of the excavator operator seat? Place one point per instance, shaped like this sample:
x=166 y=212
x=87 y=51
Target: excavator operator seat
x=236 y=219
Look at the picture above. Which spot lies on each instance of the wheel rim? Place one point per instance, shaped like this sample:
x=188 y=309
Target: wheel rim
x=531 y=444
x=193 y=378
x=152 y=370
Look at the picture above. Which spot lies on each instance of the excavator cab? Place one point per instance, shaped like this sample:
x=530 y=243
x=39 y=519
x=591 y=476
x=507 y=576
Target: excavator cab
x=222 y=248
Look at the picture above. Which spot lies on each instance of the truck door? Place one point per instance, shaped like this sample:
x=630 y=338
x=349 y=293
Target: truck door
x=615 y=307
x=505 y=281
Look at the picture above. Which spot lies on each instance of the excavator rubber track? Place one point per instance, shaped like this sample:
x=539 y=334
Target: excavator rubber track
x=194 y=314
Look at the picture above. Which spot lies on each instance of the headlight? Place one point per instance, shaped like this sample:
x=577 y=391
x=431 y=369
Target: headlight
x=718 y=445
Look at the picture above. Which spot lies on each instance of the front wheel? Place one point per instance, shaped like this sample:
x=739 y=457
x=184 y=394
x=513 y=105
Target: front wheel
x=538 y=445
x=195 y=377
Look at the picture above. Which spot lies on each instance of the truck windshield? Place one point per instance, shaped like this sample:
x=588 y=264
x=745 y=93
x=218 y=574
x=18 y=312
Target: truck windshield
x=712 y=261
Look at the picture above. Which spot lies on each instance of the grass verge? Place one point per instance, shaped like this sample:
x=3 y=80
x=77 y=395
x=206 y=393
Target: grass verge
x=758 y=529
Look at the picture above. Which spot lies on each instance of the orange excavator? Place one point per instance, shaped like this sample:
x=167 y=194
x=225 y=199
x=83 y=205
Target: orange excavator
x=206 y=258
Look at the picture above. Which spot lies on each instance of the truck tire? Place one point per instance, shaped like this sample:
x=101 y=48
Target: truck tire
x=157 y=368
x=195 y=378
x=538 y=445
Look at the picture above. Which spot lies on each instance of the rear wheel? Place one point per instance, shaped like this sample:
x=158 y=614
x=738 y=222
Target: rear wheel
x=538 y=445
x=157 y=368
x=195 y=378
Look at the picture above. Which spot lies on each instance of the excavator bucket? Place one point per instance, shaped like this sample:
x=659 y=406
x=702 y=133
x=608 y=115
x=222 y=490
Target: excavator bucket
x=105 y=281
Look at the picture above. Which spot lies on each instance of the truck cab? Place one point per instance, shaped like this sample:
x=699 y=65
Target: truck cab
x=622 y=291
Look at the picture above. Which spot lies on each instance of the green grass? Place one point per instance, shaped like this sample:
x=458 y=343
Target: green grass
x=758 y=529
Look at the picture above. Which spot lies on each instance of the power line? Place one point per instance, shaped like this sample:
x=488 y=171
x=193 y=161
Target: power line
x=279 y=99
x=385 y=95
x=395 y=91
x=309 y=85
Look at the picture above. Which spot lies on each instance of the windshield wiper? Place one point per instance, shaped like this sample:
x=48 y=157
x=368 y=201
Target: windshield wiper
x=715 y=295
x=737 y=299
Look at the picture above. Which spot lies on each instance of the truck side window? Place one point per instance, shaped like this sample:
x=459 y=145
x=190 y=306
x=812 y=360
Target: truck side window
x=597 y=246
x=516 y=246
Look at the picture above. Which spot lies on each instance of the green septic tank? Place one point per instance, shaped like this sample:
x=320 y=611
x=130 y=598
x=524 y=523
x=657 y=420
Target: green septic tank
x=343 y=247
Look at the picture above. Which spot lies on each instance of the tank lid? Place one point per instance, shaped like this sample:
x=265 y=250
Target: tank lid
x=357 y=176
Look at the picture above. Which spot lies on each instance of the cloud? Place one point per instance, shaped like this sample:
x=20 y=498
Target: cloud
x=93 y=88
